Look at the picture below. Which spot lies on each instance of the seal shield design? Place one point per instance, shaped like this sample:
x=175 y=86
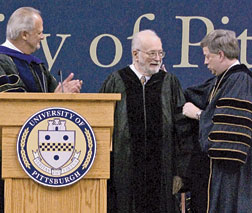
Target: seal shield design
x=56 y=147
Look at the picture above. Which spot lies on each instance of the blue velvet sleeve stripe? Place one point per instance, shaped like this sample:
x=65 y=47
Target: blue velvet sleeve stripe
x=234 y=103
x=230 y=137
x=227 y=154
x=233 y=120
x=9 y=80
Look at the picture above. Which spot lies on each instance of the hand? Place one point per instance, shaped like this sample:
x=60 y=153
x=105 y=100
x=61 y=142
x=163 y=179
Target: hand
x=69 y=85
x=190 y=110
x=163 y=68
x=177 y=184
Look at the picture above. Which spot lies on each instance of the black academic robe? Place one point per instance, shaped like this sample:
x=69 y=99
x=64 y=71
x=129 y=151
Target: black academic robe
x=199 y=165
x=150 y=143
x=225 y=132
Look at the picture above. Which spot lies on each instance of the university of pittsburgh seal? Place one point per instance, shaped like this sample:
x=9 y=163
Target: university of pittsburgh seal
x=56 y=147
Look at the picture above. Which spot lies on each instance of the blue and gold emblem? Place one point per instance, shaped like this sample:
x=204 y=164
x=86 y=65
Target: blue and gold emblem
x=56 y=147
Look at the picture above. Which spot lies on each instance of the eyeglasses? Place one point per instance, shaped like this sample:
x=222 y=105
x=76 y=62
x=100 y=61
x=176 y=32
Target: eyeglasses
x=153 y=54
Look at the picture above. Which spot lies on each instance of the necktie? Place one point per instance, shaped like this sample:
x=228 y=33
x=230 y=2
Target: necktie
x=143 y=80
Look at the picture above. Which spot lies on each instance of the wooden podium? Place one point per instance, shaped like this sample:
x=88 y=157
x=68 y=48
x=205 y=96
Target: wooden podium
x=88 y=195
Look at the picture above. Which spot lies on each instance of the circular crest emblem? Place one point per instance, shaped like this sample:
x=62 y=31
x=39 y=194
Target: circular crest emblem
x=56 y=147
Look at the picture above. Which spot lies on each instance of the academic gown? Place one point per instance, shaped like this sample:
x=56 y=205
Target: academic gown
x=225 y=135
x=150 y=142
x=23 y=73
x=199 y=165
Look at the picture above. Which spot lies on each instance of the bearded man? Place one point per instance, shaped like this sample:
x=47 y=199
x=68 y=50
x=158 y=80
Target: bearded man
x=150 y=146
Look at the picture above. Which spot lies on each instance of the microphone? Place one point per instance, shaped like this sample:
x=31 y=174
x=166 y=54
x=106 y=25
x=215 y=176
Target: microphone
x=61 y=80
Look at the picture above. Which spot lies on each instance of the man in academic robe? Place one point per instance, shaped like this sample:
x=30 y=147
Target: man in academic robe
x=225 y=125
x=151 y=140
x=19 y=70
x=22 y=72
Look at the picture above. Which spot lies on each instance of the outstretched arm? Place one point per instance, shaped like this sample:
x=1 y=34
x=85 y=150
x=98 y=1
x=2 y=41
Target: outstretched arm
x=191 y=111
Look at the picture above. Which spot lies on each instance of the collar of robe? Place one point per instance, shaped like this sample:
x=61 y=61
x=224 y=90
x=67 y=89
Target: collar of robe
x=13 y=53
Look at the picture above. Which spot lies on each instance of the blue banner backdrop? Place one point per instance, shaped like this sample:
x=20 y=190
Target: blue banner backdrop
x=92 y=38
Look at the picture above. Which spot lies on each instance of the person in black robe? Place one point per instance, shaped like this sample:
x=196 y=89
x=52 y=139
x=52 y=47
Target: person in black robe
x=225 y=125
x=22 y=72
x=199 y=164
x=151 y=138
x=19 y=70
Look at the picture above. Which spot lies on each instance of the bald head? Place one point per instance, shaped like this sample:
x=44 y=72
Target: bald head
x=140 y=39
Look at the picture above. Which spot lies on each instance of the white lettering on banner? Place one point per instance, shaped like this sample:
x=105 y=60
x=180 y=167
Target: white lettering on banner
x=185 y=38
x=185 y=42
x=118 y=50
x=225 y=20
x=149 y=16
x=50 y=60
x=243 y=55
x=118 y=45
x=209 y=26
x=2 y=17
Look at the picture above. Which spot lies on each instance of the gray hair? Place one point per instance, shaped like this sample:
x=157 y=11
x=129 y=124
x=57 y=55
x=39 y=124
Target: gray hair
x=21 y=19
x=224 y=40
x=137 y=38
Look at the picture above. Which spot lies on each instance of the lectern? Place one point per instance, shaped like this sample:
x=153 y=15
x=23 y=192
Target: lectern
x=88 y=195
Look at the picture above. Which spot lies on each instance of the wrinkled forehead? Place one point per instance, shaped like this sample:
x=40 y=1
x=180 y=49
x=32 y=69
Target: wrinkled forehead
x=151 y=43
